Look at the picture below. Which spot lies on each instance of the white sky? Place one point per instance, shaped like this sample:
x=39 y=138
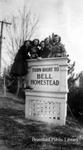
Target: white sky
x=63 y=17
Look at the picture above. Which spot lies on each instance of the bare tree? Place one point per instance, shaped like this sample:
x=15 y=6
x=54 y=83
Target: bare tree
x=23 y=27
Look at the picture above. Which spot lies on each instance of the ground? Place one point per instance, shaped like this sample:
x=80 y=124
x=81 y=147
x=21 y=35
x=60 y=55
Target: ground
x=18 y=133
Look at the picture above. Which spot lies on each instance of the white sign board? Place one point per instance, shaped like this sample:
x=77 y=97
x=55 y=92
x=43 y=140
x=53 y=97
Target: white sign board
x=46 y=78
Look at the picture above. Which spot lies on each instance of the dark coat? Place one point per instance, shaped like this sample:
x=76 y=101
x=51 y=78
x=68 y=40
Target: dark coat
x=19 y=67
x=34 y=52
x=45 y=53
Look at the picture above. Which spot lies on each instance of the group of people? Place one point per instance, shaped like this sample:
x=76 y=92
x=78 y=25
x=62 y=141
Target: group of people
x=49 y=47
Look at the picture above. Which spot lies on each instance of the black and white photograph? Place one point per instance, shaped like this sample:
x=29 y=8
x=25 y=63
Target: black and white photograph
x=41 y=74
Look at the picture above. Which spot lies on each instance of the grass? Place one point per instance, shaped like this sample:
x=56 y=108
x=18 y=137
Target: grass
x=19 y=133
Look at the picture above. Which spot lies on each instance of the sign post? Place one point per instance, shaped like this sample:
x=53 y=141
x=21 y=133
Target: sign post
x=47 y=101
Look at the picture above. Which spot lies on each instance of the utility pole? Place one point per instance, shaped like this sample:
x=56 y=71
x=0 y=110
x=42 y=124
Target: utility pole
x=4 y=85
x=1 y=36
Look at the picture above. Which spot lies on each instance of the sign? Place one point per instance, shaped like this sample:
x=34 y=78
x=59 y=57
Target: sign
x=47 y=101
x=44 y=77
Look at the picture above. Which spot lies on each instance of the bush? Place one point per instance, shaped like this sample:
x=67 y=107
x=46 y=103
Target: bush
x=75 y=101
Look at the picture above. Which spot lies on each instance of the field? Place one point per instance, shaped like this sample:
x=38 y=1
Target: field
x=18 y=133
